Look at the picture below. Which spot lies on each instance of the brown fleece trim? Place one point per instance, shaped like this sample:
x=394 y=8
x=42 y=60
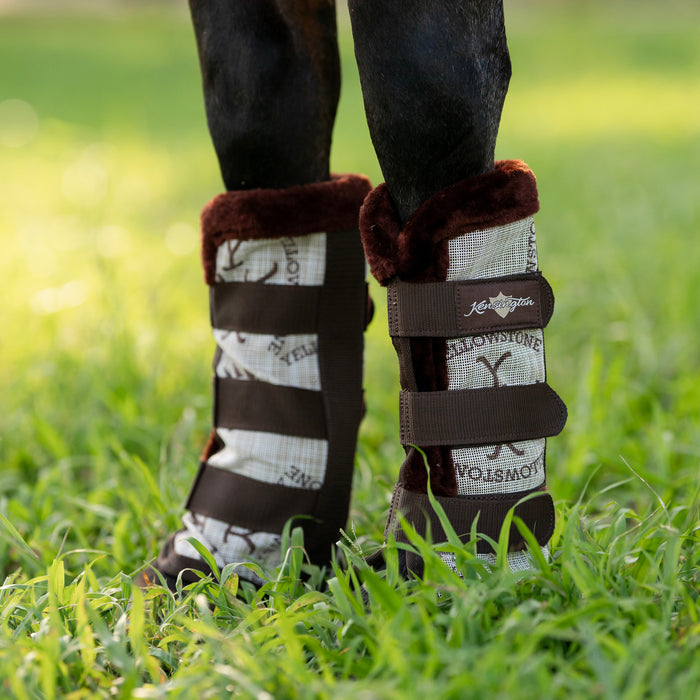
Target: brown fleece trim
x=506 y=194
x=327 y=206
x=443 y=480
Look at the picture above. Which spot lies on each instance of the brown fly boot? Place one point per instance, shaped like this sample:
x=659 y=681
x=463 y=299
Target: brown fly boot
x=288 y=306
x=467 y=306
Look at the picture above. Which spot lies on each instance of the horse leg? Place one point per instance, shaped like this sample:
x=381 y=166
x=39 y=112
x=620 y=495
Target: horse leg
x=271 y=79
x=434 y=77
x=288 y=293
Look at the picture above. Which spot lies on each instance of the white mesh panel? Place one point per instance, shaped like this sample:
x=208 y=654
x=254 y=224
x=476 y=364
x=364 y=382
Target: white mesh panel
x=276 y=459
x=517 y=561
x=504 y=468
x=287 y=360
x=299 y=260
x=495 y=252
x=506 y=358
x=229 y=544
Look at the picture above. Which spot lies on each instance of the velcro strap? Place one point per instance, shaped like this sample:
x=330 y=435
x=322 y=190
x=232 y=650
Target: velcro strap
x=270 y=408
x=537 y=513
x=247 y=503
x=480 y=416
x=255 y=307
x=456 y=309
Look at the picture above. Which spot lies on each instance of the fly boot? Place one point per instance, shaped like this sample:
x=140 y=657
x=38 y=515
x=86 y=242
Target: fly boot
x=467 y=305
x=289 y=305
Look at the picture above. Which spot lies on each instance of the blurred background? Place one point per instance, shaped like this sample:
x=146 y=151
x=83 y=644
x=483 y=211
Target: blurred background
x=105 y=163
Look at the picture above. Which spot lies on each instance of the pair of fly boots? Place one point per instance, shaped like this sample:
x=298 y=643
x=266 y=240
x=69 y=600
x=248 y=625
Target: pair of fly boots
x=467 y=306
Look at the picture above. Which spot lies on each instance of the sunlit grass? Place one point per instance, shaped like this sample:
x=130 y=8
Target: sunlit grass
x=587 y=109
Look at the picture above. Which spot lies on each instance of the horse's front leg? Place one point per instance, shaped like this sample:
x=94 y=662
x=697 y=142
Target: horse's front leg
x=287 y=289
x=434 y=77
x=271 y=78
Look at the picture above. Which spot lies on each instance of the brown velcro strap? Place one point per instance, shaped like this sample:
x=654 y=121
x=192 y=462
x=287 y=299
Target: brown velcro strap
x=537 y=513
x=247 y=503
x=252 y=405
x=255 y=307
x=455 y=309
x=480 y=416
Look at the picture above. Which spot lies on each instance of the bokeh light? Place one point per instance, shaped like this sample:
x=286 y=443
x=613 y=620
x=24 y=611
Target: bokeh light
x=19 y=123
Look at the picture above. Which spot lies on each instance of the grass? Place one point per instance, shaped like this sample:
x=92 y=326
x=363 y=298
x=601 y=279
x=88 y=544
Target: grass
x=104 y=374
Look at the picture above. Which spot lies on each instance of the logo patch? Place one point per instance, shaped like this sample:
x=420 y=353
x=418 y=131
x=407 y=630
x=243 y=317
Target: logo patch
x=485 y=305
x=501 y=304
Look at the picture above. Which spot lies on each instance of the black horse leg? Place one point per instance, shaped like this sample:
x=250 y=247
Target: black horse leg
x=434 y=77
x=271 y=76
x=289 y=299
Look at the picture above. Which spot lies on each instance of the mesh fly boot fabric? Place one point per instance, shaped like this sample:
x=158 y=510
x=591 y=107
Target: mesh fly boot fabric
x=466 y=306
x=288 y=308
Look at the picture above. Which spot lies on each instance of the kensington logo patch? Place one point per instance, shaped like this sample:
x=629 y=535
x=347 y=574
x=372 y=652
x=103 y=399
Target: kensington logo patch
x=501 y=304
x=489 y=305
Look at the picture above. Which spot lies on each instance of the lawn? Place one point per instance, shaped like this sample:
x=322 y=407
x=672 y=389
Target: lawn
x=105 y=163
